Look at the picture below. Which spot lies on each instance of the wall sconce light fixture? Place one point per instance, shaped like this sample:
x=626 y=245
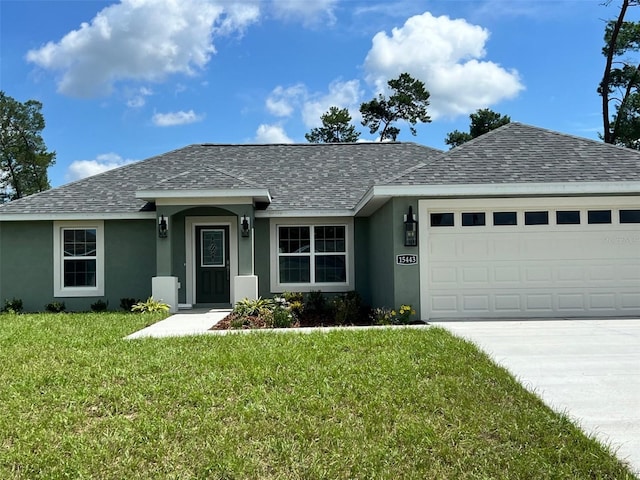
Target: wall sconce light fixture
x=163 y=227
x=244 y=226
x=410 y=229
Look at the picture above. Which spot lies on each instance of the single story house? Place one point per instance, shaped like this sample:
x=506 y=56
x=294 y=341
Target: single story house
x=520 y=222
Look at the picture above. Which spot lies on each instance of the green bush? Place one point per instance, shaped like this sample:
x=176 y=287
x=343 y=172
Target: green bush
x=316 y=302
x=127 y=303
x=12 y=306
x=99 y=306
x=281 y=317
x=382 y=316
x=347 y=308
x=292 y=297
x=150 y=306
x=55 y=307
x=385 y=316
x=253 y=308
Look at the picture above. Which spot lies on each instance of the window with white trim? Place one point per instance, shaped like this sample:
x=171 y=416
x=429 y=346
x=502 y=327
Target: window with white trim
x=78 y=259
x=312 y=254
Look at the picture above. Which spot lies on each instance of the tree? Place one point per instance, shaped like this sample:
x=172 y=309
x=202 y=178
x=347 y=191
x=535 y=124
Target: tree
x=483 y=121
x=408 y=102
x=24 y=158
x=336 y=128
x=620 y=83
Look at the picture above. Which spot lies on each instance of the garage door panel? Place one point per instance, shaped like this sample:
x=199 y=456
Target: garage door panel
x=630 y=301
x=507 y=303
x=476 y=303
x=571 y=302
x=528 y=271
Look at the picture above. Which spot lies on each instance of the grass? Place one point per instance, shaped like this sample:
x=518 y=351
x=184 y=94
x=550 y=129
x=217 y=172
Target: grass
x=78 y=401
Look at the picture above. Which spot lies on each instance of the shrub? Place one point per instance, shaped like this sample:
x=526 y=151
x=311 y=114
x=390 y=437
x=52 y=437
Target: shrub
x=382 y=316
x=12 y=306
x=296 y=308
x=99 y=306
x=316 y=302
x=292 y=297
x=347 y=308
x=55 y=307
x=281 y=317
x=150 y=306
x=403 y=316
x=127 y=303
x=253 y=308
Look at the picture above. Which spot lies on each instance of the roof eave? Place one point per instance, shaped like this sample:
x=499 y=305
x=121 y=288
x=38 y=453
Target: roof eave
x=259 y=195
x=378 y=195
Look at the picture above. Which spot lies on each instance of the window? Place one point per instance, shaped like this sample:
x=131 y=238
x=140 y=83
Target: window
x=79 y=259
x=312 y=254
x=629 y=216
x=442 y=219
x=505 y=218
x=536 y=218
x=568 y=217
x=599 y=216
x=473 y=219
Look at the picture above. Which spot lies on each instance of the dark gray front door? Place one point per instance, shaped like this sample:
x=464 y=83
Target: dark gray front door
x=212 y=264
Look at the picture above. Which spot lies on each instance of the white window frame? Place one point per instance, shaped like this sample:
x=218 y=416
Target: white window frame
x=277 y=287
x=59 y=290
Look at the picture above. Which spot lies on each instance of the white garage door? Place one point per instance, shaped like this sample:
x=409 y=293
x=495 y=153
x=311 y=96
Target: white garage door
x=509 y=258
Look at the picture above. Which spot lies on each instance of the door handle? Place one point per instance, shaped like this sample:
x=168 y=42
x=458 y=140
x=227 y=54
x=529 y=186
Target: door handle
x=228 y=270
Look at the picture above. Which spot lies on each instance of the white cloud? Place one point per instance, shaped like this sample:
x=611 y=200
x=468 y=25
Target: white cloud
x=309 y=12
x=272 y=134
x=142 y=40
x=284 y=102
x=86 y=168
x=176 y=118
x=447 y=56
x=137 y=98
x=341 y=94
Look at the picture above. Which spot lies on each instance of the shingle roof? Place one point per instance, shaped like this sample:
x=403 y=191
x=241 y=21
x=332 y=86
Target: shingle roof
x=518 y=153
x=337 y=176
x=298 y=176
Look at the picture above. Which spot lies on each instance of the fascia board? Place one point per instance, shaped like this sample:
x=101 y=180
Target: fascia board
x=382 y=193
x=290 y=213
x=26 y=217
x=261 y=194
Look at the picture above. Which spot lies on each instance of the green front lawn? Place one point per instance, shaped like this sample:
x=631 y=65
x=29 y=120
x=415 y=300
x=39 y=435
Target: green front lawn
x=78 y=401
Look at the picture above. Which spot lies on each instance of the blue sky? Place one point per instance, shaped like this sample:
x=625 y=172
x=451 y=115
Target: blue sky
x=123 y=81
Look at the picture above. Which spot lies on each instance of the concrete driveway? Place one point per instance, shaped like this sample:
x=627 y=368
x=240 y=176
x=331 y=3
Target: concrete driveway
x=589 y=369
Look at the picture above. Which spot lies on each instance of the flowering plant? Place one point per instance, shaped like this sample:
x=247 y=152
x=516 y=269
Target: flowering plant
x=404 y=314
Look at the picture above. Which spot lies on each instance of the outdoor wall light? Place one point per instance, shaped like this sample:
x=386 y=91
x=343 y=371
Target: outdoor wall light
x=244 y=226
x=410 y=229
x=163 y=227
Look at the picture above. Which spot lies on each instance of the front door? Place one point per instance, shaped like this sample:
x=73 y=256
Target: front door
x=212 y=264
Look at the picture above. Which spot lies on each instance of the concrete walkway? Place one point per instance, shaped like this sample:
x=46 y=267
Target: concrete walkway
x=589 y=369
x=185 y=322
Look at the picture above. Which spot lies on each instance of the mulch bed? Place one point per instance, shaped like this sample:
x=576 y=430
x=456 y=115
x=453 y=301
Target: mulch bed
x=307 y=321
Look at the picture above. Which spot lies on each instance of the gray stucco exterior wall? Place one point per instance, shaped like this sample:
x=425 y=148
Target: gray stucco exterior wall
x=380 y=257
x=362 y=259
x=129 y=261
x=391 y=284
x=26 y=263
x=406 y=278
x=262 y=244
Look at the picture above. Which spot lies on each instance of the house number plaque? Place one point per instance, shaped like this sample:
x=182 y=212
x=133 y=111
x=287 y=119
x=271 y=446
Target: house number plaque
x=406 y=259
